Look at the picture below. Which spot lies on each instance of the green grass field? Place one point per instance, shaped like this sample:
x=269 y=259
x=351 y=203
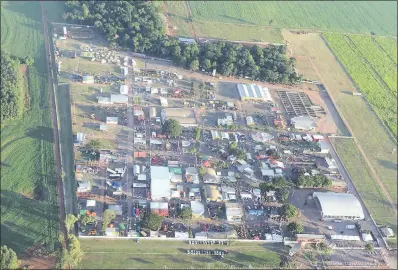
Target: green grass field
x=367 y=186
x=29 y=205
x=113 y=254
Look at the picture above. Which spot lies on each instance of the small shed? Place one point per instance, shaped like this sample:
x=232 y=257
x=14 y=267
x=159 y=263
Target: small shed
x=112 y=120
x=163 y=102
x=249 y=121
x=88 y=79
x=103 y=128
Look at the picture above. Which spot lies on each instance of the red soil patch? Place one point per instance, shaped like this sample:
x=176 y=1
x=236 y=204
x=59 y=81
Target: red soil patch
x=33 y=259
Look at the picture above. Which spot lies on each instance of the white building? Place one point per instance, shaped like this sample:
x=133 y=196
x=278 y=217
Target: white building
x=254 y=92
x=339 y=206
x=160 y=183
x=303 y=123
x=112 y=120
x=119 y=99
x=234 y=212
x=124 y=89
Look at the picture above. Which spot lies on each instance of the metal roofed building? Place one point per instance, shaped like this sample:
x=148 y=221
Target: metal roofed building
x=198 y=209
x=339 y=206
x=303 y=123
x=234 y=212
x=112 y=120
x=160 y=182
x=120 y=99
x=88 y=79
x=254 y=92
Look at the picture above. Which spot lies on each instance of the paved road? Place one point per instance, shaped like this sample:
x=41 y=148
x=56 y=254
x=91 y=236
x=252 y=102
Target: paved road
x=54 y=123
x=130 y=146
x=352 y=190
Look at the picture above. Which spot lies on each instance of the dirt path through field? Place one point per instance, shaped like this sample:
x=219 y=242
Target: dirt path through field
x=191 y=19
x=169 y=25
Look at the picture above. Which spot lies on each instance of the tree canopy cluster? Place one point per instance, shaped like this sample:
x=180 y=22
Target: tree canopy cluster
x=279 y=185
x=8 y=258
x=11 y=96
x=152 y=222
x=171 y=127
x=70 y=256
x=289 y=210
x=137 y=25
x=318 y=180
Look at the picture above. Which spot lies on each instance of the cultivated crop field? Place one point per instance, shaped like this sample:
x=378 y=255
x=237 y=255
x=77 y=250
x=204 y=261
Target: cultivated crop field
x=344 y=16
x=108 y=254
x=364 y=182
x=364 y=17
x=29 y=205
x=183 y=26
x=373 y=72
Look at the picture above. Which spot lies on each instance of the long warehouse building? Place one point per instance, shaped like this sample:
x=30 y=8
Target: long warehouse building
x=254 y=92
x=339 y=206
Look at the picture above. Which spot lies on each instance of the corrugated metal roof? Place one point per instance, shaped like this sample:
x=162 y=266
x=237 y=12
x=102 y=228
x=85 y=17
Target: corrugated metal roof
x=119 y=99
x=339 y=204
x=160 y=182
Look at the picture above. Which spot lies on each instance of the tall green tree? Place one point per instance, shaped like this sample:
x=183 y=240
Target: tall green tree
x=70 y=220
x=107 y=218
x=8 y=259
x=171 y=127
x=185 y=213
x=153 y=222
x=11 y=94
x=94 y=145
x=289 y=210
x=295 y=228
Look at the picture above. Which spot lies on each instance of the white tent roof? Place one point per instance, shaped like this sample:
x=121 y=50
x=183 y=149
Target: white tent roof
x=345 y=237
x=339 y=204
x=160 y=182
x=90 y=203
x=367 y=237
x=124 y=89
x=197 y=208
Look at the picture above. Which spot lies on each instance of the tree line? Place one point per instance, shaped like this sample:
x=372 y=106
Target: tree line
x=137 y=25
x=11 y=94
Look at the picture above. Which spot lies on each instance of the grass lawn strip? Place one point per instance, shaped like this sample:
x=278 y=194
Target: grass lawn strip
x=102 y=254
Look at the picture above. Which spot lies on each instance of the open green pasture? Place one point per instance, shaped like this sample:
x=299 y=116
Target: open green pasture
x=367 y=186
x=29 y=204
x=113 y=254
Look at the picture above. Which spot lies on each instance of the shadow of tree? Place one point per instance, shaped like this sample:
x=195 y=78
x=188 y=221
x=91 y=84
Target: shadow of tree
x=41 y=133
